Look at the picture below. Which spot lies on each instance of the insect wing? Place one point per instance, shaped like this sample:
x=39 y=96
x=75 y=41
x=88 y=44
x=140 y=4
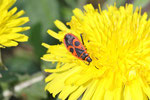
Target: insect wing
x=73 y=44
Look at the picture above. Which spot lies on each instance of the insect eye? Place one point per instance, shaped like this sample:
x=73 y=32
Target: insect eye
x=71 y=50
x=77 y=43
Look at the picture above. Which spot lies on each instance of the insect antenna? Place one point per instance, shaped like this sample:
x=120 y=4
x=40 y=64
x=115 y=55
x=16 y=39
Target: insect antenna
x=82 y=39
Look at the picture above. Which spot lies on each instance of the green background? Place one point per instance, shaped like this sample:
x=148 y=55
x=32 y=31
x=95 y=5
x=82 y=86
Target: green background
x=24 y=63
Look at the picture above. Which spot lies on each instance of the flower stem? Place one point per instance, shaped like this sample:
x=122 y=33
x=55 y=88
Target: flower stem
x=1 y=63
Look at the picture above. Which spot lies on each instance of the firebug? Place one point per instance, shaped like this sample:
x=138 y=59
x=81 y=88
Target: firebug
x=74 y=46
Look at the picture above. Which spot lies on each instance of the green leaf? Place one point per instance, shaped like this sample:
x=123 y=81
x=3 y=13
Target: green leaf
x=23 y=62
x=21 y=65
x=1 y=96
x=8 y=77
x=66 y=13
x=36 y=40
x=35 y=92
x=43 y=12
x=71 y=3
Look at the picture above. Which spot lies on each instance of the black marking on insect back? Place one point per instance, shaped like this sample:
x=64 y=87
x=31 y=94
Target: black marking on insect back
x=79 y=51
x=69 y=40
x=77 y=43
x=71 y=50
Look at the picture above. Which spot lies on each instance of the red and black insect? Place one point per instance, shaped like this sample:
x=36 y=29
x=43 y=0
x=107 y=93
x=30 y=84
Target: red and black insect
x=73 y=44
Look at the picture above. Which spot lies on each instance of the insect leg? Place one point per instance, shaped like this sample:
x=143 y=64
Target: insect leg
x=95 y=66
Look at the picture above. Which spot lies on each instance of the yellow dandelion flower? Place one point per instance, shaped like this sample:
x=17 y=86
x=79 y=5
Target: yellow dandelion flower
x=118 y=41
x=10 y=23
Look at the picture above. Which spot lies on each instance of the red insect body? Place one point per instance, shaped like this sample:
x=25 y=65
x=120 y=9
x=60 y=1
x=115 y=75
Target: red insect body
x=74 y=46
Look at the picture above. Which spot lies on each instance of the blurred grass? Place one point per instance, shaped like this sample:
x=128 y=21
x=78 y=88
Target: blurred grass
x=24 y=61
